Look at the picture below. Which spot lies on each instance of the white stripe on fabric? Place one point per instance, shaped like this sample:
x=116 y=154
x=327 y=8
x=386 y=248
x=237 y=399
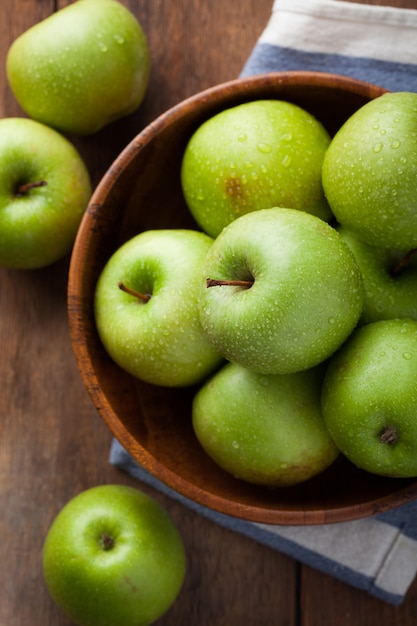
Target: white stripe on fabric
x=361 y=545
x=399 y=568
x=343 y=28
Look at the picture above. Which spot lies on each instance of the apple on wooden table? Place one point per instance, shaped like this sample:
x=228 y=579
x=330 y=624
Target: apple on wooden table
x=254 y=156
x=113 y=557
x=82 y=67
x=44 y=190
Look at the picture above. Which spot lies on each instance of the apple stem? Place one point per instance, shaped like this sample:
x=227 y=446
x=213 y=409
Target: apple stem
x=399 y=266
x=389 y=435
x=25 y=187
x=106 y=541
x=212 y=282
x=145 y=297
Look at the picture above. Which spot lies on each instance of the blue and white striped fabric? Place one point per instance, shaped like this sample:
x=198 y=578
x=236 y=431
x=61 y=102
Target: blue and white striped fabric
x=372 y=43
x=379 y=45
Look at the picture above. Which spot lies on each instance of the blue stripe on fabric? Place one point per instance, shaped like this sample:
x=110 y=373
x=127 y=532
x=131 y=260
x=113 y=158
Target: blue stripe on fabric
x=121 y=459
x=392 y=76
x=397 y=516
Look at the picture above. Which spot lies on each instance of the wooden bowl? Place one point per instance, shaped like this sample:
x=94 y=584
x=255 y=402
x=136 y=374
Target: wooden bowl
x=142 y=190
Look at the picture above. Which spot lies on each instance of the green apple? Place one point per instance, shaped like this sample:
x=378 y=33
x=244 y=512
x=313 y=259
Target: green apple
x=266 y=430
x=389 y=277
x=44 y=190
x=82 y=67
x=280 y=291
x=370 y=398
x=369 y=172
x=146 y=308
x=255 y=155
x=113 y=557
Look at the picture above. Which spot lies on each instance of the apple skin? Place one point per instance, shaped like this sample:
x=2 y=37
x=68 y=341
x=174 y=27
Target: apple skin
x=160 y=341
x=82 y=67
x=113 y=556
x=38 y=227
x=266 y=430
x=387 y=296
x=370 y=387
x=254 y=156
x=306 y=296
x=369 y=172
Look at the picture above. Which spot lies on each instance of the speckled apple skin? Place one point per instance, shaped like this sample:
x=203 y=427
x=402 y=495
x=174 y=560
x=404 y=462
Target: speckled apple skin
x=387 y=296
x=371 y=383
x=370 y=172
x=132 y=583
x=254 y=156
x=306 y=298
x=82 y=67
x=160 y=341
x=266 y=430
x=39 y=227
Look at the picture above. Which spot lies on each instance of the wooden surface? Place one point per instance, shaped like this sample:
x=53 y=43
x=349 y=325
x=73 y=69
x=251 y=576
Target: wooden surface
x=52 y=442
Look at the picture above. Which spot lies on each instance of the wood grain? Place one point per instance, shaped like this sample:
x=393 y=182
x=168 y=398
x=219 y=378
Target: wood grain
x=52 y=442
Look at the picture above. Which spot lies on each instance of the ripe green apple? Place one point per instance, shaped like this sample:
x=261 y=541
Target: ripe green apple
x=369 y=172
x=254 y=156
x=44 y=190
x=146 y=308
x=266 y=430
x=370 y=398
x=389 y=278
x=113 y=557
x=280 y=291
x=82 y=67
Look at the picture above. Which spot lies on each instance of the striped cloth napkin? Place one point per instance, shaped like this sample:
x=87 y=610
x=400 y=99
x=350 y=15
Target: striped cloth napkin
x=378 y=45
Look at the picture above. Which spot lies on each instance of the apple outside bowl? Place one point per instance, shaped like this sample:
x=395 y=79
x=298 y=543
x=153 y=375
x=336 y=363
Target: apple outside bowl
x=140 y=191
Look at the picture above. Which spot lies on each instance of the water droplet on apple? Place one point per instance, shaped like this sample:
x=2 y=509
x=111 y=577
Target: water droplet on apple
x=119 y=38
x=286 y=161
x=264 y=147
x=331 y=320
x=235 y=444
x=395 y=144
x=378 y=147
x=242 y=137
x=103 y=46
x=406 y=356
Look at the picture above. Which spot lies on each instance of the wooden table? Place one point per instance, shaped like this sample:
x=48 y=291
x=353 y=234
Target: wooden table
x=52 y=441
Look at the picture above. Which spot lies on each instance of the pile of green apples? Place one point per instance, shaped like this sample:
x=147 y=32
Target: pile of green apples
x=292 y=308
x=73 y=73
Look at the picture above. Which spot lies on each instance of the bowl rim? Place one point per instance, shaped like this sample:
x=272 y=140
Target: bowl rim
x=76 y=300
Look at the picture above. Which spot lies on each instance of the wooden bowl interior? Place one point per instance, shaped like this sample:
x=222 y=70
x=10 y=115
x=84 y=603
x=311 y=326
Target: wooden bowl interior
x=142 y=191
